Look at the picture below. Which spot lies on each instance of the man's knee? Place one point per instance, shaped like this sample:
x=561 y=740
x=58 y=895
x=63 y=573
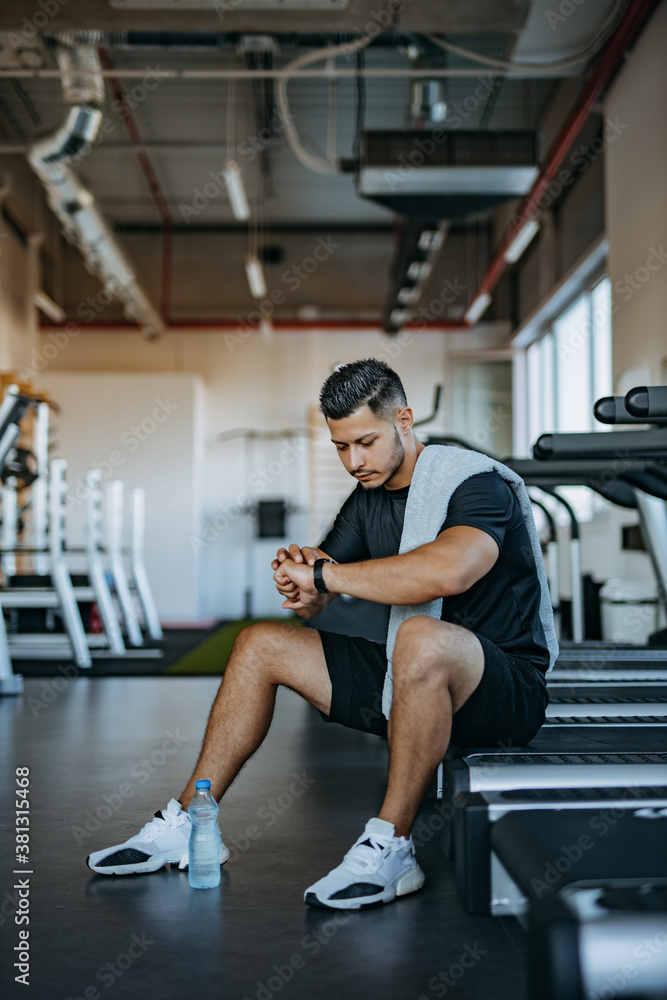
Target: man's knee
x=419 y=652
x=425 y=649
x=259 y=643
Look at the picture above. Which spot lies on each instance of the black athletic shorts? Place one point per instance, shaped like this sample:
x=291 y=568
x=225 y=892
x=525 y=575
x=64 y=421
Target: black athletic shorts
x=506 y=708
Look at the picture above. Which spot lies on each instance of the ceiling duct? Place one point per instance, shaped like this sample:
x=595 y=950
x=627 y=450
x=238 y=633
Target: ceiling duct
x=446 y=173
x=52 y=157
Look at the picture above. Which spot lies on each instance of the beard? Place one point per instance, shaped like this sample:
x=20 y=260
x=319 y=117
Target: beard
x=395 y=461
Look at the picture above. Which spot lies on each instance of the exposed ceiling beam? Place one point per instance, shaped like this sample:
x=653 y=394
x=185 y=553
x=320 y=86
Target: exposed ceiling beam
x=338 y=72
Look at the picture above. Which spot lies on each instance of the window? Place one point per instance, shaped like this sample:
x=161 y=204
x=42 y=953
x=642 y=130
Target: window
x=569 y=367
x=574 y=389
x=566 y=371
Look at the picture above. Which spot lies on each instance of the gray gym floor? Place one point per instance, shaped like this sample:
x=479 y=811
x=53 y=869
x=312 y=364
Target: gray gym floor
x=134 y=741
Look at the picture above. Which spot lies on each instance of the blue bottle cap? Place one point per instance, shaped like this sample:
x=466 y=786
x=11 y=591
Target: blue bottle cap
x=202 y=783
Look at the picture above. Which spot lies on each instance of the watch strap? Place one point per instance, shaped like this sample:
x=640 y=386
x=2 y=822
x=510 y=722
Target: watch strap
x=320 y=585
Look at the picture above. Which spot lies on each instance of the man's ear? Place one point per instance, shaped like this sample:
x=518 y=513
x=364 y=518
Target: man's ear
x=404 y=418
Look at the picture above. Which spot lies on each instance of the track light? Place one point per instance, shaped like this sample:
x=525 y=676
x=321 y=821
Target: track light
x=49 y=307
x=398 y=317
x=255 y=275
x=266 y=330
x=477 y=307
x=236 y=190
x=419 y=270
x=521 y=241
x=407 y=296
x=431 y=239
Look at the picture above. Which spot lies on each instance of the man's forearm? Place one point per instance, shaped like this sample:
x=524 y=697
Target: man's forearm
x=412 y=578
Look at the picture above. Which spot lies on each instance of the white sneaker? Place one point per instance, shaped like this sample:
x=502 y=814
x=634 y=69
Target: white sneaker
x=163 y=840
x=378 y=868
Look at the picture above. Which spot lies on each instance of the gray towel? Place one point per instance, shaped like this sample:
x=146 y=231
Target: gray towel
x=439 y=471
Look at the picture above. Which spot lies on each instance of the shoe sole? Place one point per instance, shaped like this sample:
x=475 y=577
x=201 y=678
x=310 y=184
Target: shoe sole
x=412 y=881
x=153 y=864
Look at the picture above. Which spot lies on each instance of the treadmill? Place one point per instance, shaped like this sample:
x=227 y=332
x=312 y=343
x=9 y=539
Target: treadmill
x=641 y=483
x=639 y=461
x=594 y=906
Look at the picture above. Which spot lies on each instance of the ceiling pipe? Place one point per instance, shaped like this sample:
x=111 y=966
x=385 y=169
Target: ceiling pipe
x=294 y=325
x=51 y=158
x=151 y=180
x=336 y=72
x=600 y=76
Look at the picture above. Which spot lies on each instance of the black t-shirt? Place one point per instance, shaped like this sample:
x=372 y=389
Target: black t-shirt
x=504 y=605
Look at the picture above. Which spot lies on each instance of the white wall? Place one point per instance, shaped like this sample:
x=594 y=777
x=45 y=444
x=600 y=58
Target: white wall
x=246 y=384
x=146 y=430
x=636 y=203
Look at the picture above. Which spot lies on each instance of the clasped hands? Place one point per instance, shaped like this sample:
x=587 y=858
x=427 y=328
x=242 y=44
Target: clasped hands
x=294 y=578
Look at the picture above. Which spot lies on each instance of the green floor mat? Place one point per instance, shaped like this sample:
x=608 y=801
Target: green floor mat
x=211 y=655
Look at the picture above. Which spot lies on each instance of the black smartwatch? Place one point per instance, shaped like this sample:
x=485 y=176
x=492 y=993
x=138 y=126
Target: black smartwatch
x=320 y=585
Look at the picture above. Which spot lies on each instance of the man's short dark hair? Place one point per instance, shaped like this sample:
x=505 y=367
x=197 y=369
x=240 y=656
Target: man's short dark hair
x=369 y=382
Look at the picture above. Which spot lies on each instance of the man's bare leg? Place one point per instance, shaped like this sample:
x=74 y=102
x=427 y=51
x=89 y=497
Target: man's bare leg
x=436 y=666
x=264 y=655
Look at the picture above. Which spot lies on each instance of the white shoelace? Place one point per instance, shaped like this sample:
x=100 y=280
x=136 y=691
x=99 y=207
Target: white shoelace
x=361 y=857
x=156 y=825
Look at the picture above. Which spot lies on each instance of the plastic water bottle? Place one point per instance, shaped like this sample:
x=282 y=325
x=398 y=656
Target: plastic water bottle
x=204 y=846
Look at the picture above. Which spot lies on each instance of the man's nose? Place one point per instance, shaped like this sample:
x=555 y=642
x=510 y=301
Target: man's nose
x=356 y=459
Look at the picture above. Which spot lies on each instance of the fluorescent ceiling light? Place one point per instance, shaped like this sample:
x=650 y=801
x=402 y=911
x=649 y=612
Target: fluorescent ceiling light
x=255 y=275
x=431 y=239
x=49 y=307
x=521 y=241
x=477 y=307
x=266 y=330
x=236 y=190
x=406 y=296
x=398 y=317
x=419 y=270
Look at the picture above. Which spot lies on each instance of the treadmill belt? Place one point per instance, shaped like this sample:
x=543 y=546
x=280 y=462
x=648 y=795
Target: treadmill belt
x=582 y=794
x=633 y=666
x=612 y=720
x=605 y=674
x=630 y=847
x=489 y=760
x=604 y=698
x=636 y=657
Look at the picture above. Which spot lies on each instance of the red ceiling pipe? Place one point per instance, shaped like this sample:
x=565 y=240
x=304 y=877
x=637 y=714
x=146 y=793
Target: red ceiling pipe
x=153 y=185
x=600 y=76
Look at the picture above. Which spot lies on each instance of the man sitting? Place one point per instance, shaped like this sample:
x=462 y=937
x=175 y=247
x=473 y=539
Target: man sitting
x=474 y=675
